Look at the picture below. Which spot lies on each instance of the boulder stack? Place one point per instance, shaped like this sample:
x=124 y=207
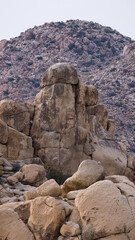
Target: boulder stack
x=69 y=125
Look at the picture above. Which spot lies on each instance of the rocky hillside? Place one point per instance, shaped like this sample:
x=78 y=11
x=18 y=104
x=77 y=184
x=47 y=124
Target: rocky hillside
x=91 y=48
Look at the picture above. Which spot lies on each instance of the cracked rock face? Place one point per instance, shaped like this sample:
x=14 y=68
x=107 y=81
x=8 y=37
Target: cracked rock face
x=107 y=210
x=69 y=125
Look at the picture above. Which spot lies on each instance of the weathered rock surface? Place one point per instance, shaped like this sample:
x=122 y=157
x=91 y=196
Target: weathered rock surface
x=46 y=217
x=69 y=125
x=59 y=73
x=49 y=188
x=19 y=145
x=16 y=115
x=95 y=208
x=88 y=173
x=33 y=174
x=3 y=132
x=70 y=229
x=12 y=227
x=113 y=159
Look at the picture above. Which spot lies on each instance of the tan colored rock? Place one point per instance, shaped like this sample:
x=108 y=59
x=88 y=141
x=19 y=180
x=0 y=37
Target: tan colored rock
x=87 y=95
x=123 y=147
x=70 y=238
x=91 y=95
x=23 y=210
x=95 y=208
x=33 y=174
x=112 y=158
x=73 y=194
x=69 y=126
x=88 y=172
x=19 y=176
x=100 y=112
x=70 y=229
x=19 y=145
x=11 y=205
x=31 y=194
x=4 y=192
x=59 y=73
x=131 y=161
x=16 y=115
x=130 y=173
x=75 y=216
x=3 y=150
x=3 y=132
x=49 y=188
x=111 y=126
x=129 y=192
x=46 y=217
x=67 y=207
x=122 y=236
x=120 y=179
x=12 y=227
x=12 y=180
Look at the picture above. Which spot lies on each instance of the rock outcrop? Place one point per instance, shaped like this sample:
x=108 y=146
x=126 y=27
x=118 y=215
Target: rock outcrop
x=15 y=122
x=66 y=125
x=69 y=125
x=71 y=133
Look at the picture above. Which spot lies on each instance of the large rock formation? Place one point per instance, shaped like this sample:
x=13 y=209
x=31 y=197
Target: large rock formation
x=69 y=125
x=66 y=125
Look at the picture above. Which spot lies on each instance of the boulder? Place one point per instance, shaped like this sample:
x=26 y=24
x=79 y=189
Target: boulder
x=12 y=227
x=111 y=126
x=87 y=95
x=19 y=145
x=70 y=229
x=49 y=188
x=59 y=73
x=15 y=115
x=73 y=194
x=3 y=132
x=46 y=217
x=100 y=112
x=131 y=161
x=31 y=194
x=12 y=180
x=88 y=173
x=95 y=208
x=112 y=158
x=33 y=174
x=3 y=150
x=23 y=210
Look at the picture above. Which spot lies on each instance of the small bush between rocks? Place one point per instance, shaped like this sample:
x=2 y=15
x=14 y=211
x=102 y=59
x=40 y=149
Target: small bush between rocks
x=55 y=174
x=16 y=167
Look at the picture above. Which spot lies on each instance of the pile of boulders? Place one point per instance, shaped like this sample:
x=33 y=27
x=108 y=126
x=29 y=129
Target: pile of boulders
x=87 y=206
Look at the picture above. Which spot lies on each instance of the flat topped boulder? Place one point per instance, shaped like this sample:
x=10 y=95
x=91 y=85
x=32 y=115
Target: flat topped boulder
x=59 y=73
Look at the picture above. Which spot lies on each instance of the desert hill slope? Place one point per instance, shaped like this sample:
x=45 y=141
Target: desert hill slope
x=91 y=48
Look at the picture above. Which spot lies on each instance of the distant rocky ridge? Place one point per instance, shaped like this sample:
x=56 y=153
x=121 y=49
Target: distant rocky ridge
x=89 y=47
